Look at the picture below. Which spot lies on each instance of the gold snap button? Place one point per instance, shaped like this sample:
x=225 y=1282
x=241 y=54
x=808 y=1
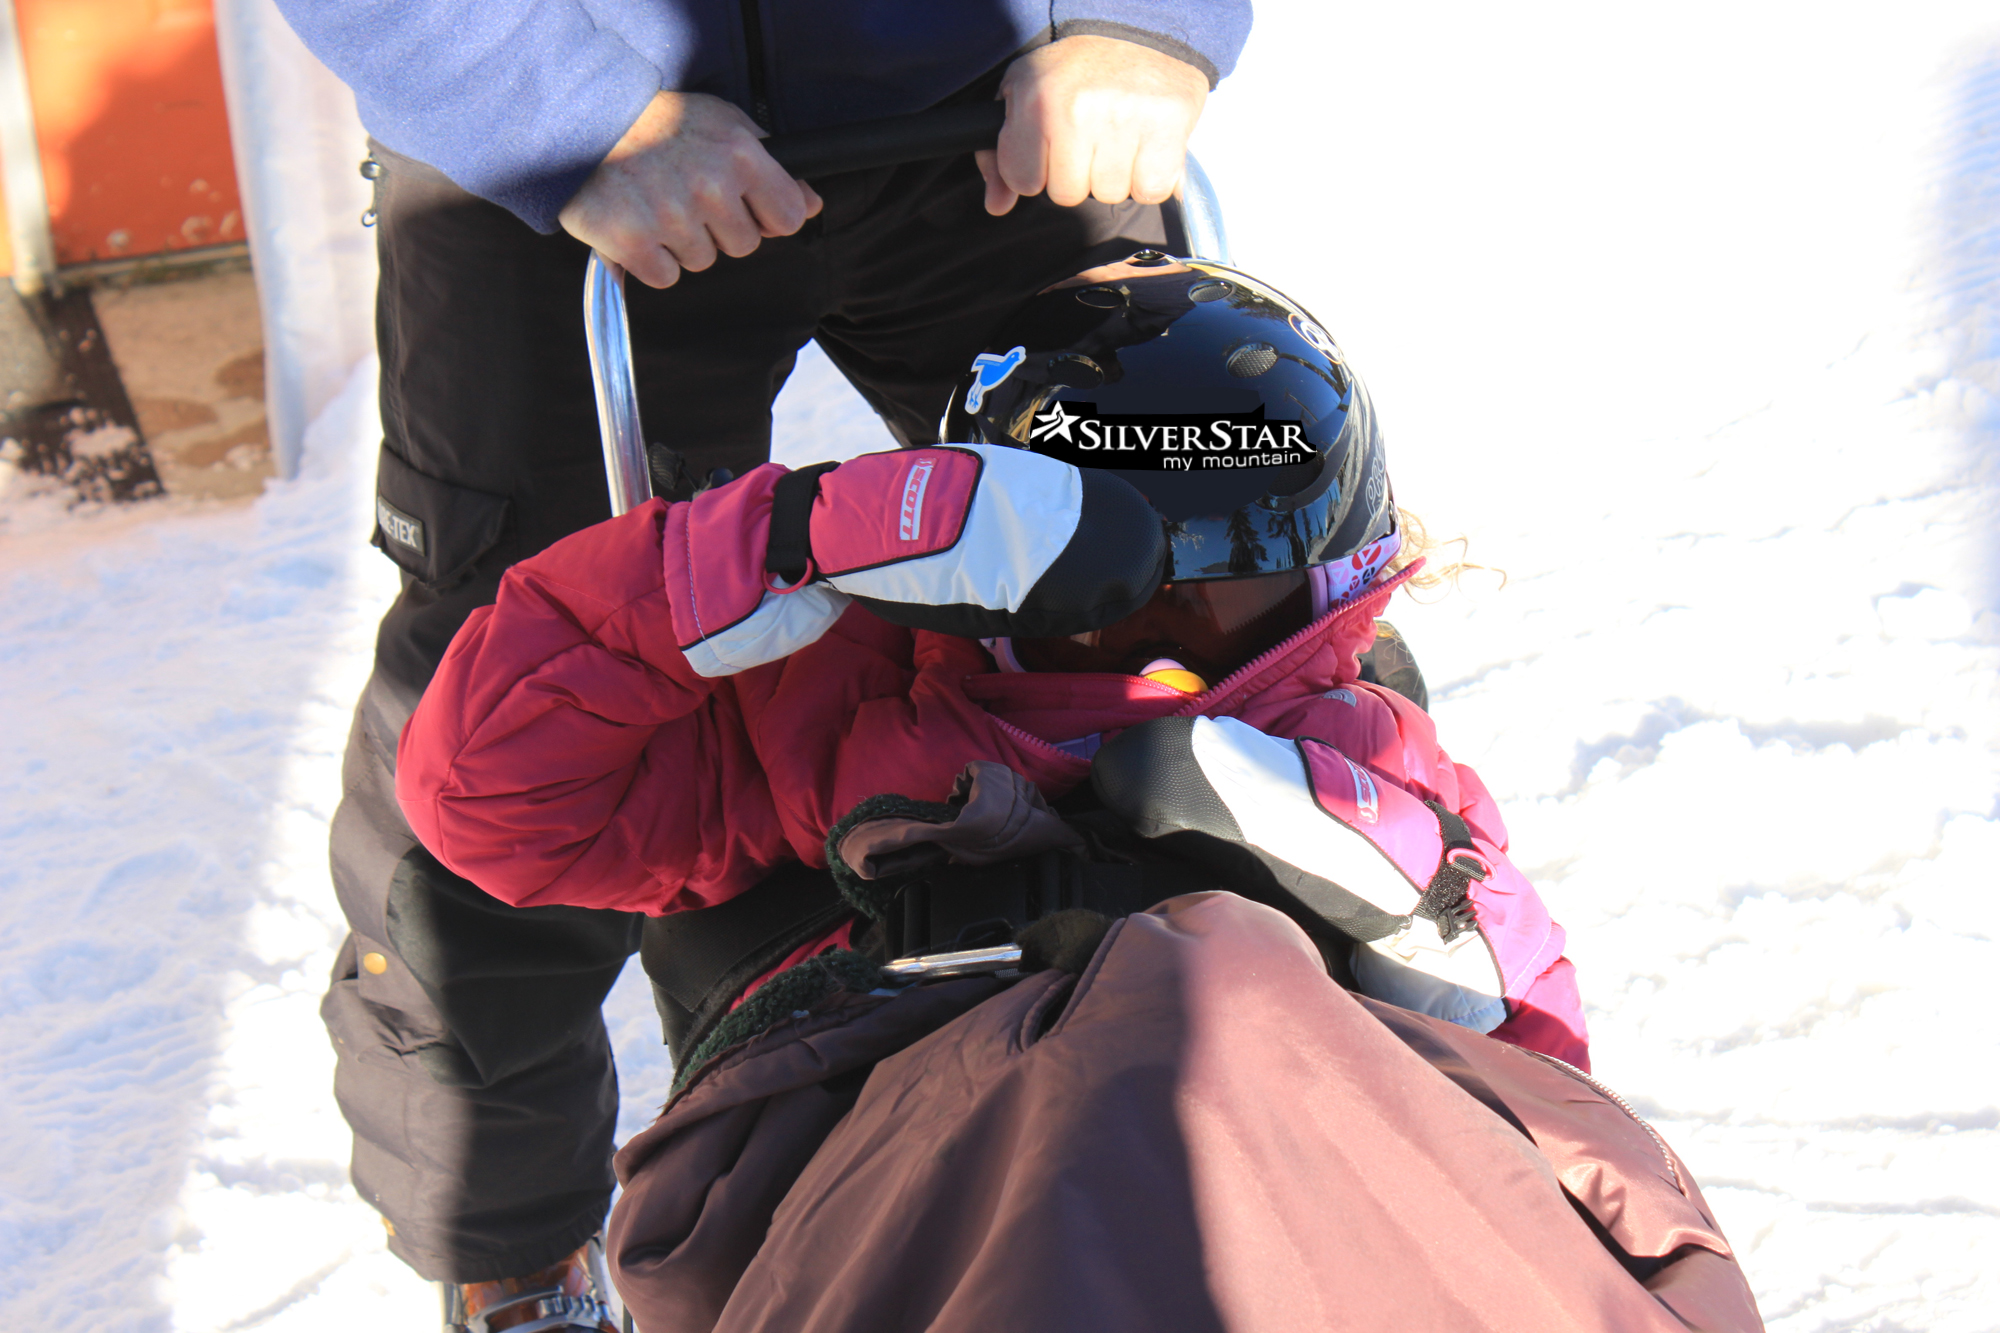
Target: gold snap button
x=375 y=963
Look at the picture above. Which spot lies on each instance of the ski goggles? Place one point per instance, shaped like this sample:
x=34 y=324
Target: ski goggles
x=1209 y=627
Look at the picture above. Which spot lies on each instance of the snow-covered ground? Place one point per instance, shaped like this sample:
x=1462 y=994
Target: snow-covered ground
x=1689 y=318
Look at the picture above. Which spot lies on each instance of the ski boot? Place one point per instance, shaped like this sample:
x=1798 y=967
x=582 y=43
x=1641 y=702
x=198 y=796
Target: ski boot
x=569 y=1296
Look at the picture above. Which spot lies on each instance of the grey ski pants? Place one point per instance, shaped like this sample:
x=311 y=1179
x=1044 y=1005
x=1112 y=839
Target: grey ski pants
x=473 y=1063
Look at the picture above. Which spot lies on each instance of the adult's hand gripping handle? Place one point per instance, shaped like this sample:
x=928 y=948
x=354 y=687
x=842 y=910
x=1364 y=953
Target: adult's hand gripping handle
x=943 y=132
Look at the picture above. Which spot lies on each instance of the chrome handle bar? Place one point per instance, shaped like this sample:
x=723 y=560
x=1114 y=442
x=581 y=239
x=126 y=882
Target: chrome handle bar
x=609 y=336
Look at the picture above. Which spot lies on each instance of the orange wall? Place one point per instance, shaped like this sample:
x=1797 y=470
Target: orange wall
x=134 y=135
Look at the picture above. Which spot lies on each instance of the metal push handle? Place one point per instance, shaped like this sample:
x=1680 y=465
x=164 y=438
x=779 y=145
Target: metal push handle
x=945 y=132
x=1201 y=216
x=610 y=338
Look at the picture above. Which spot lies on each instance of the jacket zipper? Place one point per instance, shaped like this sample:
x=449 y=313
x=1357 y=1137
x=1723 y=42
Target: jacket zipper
x=1221 y=690
x=1666 y=1153
x=753 y=53
x=1034 y=742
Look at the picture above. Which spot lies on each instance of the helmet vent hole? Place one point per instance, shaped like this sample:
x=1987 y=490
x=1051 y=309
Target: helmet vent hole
x=1252 y=360
x=1103 y=298
x=1212 y=290
x=1075 y=371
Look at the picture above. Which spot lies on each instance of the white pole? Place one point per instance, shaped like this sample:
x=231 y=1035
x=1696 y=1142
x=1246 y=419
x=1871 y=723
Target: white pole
x=298 y=145
x=21 y=154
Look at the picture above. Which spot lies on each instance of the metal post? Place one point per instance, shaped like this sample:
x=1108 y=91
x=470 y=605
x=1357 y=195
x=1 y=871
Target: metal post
x=610 y=338
x=21 y=155
x=1201 y=215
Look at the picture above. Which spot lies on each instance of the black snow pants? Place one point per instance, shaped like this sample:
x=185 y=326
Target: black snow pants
x=473 y=1063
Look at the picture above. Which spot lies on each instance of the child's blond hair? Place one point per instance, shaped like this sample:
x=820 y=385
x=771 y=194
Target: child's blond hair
x=1437 y=572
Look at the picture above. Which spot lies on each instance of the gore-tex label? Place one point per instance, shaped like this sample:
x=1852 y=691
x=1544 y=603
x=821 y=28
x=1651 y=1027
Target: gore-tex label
x=1077 y=434
x=399 y=527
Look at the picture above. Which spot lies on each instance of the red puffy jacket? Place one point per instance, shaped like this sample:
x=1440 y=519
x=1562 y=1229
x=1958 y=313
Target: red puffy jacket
x=566 y=752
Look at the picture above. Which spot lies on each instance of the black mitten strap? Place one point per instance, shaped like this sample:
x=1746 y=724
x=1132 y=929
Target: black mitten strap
x=1445 y=896
x=788 y=551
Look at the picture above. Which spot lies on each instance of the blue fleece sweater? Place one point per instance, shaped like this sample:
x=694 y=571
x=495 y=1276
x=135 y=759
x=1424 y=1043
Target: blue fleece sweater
x=518 y=100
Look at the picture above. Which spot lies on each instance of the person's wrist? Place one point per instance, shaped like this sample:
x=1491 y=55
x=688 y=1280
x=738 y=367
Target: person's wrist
x=1156 y=42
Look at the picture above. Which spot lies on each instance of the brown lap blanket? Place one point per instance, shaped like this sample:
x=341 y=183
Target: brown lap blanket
x=1203 y=1132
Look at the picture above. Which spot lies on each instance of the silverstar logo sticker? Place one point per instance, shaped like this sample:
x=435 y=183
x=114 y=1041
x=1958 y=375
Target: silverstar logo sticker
x=1083 y=435
x=1054 y=424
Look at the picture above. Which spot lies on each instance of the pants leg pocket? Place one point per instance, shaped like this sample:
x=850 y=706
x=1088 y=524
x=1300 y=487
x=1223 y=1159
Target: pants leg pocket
x=376 y=1009
x=435 y=530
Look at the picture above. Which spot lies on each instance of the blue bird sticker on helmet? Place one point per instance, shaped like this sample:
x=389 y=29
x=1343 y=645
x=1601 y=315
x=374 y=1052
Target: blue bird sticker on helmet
x=989 y=372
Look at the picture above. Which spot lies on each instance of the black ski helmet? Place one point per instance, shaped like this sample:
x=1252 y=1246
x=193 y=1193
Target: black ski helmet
x=1222 y=400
